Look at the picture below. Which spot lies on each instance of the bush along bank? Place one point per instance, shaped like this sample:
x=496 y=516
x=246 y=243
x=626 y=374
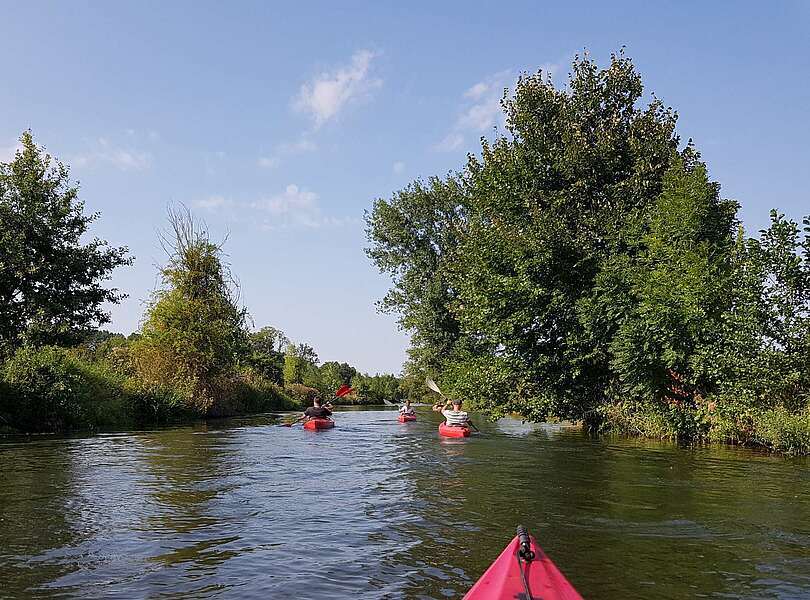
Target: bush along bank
x=52 y=389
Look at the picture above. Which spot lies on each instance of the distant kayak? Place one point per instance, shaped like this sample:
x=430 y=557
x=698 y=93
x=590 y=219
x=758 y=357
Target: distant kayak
x=523 y=571
x=454 y=431
x=314 y=424
x=406 y=418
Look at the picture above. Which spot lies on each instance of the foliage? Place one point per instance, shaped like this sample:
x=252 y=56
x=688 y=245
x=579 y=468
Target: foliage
x=584 y=267
x=376 y=389
x=266 y=357
x=268 y=340
x=300 y=365
x=194 y=334
x=55 y=389
x=412 y=238
x=51 y=285
x=293 y=367
x=302 y=394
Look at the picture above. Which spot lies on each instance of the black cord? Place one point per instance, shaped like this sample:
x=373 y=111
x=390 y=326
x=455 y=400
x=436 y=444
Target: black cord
x=523 y=578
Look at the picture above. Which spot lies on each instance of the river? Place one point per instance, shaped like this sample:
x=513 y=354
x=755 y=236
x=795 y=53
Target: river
x=242 y=508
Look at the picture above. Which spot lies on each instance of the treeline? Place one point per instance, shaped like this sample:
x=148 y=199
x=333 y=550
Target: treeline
x=296 y=366
x=585 y=266
x=194 y=356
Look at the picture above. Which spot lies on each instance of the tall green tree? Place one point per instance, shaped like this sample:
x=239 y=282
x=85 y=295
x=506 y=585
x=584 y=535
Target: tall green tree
x=268 y=340
x=761 y=361
x=194 y=333
x=412 y=238
x=677 y=287
x=300 y=363
x=52 y=286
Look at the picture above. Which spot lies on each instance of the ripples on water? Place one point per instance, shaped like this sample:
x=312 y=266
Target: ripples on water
x=379 y=509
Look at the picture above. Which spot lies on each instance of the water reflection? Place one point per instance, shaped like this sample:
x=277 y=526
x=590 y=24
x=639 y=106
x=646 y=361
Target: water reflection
x=375 y=508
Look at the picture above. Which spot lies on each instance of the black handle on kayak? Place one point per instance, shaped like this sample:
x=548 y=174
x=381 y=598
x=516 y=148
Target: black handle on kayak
x=525 y=552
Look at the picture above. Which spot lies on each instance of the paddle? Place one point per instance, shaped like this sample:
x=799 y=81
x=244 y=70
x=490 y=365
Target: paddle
x=342 y=391
x=432 y=385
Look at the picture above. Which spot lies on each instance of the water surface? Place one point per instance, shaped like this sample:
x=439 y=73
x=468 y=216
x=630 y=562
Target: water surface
x=377 y=509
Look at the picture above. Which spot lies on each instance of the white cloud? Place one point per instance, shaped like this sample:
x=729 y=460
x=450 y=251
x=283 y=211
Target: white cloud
x=294 y=207
x=104 y=152
x=328 y=93
x=476 y=91
x=452 y=141
x=481 y=109
x=214 y=203
x=301 y=146
x=268 y=162
x=399 y=167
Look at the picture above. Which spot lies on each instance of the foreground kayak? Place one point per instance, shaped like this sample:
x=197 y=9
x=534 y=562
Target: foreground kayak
x=523 y=571
x=454 y=431
x=319 y=424
x=406 y=418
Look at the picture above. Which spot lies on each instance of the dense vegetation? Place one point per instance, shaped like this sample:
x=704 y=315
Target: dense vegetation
x=194 y=356
x=585 y=267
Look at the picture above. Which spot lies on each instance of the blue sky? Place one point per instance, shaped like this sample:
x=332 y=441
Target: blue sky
x=280 y=123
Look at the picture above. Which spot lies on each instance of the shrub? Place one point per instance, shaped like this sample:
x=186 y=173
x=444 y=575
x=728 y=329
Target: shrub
x=52 y=389
x=301 y=393
x=44 y=391
x=783 y=431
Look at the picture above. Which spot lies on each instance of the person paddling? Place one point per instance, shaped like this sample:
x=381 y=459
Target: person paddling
x=316 y=411
x=455 y=417
x=406 y=409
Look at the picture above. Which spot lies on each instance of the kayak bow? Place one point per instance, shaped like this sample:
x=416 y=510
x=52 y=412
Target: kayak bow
x=406 y=418
x=317 y=423
x=523 y=571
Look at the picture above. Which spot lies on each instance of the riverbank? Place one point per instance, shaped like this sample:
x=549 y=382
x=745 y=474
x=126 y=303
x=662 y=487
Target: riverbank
x=776 y=429
x=52 y=389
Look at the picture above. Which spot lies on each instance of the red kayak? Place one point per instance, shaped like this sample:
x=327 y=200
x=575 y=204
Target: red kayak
x=314 y=424
x=406 y=418
x=523 y=571
x=454 y=431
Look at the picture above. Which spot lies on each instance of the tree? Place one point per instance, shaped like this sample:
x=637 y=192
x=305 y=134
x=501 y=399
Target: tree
x=412 y=238
x=761 y=361
x=51 y=285
x=268 y=340
x=334 y=374
x=677 y=289
x=293 y=366
x=194 y=333
x=266 y=357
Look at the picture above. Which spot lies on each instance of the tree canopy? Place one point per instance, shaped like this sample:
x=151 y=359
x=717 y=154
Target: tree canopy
x=585 y=262
x=52 y=286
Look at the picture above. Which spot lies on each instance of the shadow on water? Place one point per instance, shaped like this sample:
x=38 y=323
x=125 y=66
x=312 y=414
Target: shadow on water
x=379 y=509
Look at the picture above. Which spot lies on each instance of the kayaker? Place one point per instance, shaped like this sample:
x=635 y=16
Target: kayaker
x=455 y=417
x=407 y=409
x=317 y=410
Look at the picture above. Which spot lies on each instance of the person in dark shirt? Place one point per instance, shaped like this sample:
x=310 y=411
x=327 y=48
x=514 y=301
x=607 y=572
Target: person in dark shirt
x=317 y=411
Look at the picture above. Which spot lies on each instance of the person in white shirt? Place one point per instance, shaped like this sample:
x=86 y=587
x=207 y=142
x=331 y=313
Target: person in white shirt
x=455 y=417
x=407 y=409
